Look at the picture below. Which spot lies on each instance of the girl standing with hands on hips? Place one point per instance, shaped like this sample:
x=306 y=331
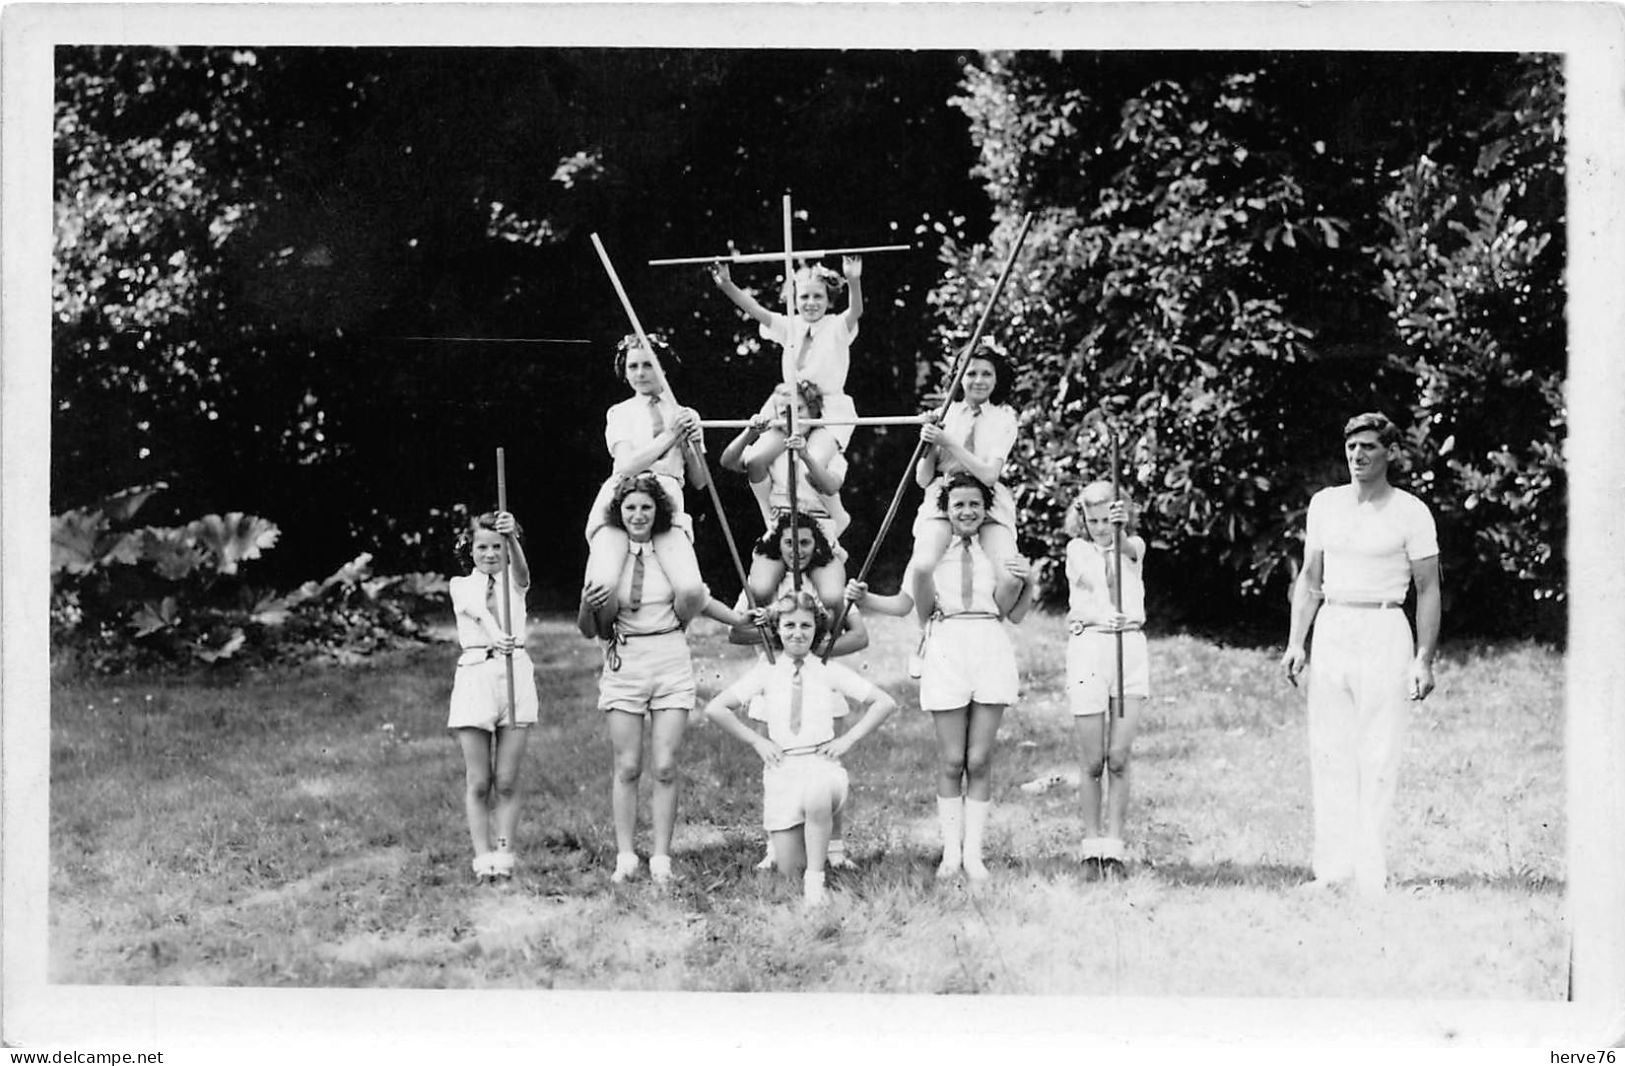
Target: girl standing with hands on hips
x=646 y=433
x=969 y=675
x=478 y=715
x=648 y=674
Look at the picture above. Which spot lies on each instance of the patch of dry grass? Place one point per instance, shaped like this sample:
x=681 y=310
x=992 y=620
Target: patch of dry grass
x=304 y=828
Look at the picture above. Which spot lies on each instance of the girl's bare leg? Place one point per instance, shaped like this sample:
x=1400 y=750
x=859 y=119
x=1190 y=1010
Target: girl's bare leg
x=676 y=554
x=606 y=556
x=476 y=748
x=626 y=738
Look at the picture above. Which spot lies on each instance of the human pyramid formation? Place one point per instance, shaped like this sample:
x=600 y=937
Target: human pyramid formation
x=643 y=586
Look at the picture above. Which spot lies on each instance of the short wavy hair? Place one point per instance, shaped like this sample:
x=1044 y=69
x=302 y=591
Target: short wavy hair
x=1376 y=422
x=657 y=343
x=964 y=479
x=811 y=396
x=768 y=547
x=802 y=601
x=834 y=283
x=1002 y=375
x=486 y=520
x=1095 y=492
x=647 y=484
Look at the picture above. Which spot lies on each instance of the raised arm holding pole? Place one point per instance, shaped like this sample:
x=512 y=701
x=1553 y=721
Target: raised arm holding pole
x=688 y=445
x=960 y=364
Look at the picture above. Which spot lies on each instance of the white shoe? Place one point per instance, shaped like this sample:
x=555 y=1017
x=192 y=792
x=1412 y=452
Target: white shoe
x=660 y=869
x=949 y=868
x=502 y=863
x=483 y=869
x=626 y=866
x=975 y=868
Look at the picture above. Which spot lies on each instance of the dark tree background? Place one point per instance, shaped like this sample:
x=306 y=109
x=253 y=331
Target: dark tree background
x=1231 y=251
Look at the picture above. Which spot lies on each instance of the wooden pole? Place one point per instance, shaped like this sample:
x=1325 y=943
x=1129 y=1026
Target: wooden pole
x=1117 y=569
x=768 y=257
x=507 y=594
x=789 y=367
x=809 y=423
x=671 y=406
x=947 y=398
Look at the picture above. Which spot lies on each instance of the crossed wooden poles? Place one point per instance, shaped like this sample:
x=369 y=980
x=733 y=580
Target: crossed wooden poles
x=961 y=363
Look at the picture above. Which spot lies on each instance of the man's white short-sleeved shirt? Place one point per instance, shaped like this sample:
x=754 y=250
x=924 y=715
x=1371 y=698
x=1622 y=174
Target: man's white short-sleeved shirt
x=1369 y=546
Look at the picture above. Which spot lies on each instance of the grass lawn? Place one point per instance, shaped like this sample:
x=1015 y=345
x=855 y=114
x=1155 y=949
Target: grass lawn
x=304 y=828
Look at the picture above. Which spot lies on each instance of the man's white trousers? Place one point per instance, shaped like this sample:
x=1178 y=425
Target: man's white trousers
x=1359 y=667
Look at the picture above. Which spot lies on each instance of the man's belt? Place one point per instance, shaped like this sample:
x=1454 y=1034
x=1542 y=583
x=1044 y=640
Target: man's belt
x=1365 y=605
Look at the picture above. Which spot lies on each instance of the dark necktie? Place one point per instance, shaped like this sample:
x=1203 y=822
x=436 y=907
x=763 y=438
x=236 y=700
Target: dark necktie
x=970 y=438
x=967 y=574
x=656 y=419
x=795 y=699
x=491 y=593
x=635 y=600
x=806 y=346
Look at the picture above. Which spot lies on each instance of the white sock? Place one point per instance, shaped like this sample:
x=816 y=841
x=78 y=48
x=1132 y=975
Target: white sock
x=975 y=823
x=951 y=816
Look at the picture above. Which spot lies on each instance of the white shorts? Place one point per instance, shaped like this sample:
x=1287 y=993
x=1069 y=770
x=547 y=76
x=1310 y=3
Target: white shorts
x=479 y=694
x=968 y=660
x=798 y=783
x=655 y=674
x=1091 y=669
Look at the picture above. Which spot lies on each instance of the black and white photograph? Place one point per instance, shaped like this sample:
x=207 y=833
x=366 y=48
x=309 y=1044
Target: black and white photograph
x=807 y=529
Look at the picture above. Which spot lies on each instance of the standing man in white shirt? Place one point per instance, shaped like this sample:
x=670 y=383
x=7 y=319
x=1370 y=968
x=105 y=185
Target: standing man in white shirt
x=1366 y=542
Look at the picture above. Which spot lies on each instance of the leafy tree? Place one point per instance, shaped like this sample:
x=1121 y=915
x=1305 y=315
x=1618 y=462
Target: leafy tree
x=1204 y=271
x=1473 y=275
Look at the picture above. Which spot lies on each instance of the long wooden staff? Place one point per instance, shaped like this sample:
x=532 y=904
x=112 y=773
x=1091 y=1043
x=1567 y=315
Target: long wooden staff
x=507 y=595
x=688 y=445
x=960 y=365
x=1117 y=606
x=788 y=365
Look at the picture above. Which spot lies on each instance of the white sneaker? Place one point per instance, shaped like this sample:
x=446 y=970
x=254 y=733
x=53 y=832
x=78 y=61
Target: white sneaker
x=483 y=869
x=502 y=863
x=949 y=867
x=626 y=866
x=660 y=869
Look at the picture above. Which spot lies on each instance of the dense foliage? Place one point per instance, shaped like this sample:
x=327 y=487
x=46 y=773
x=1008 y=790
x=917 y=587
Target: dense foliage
x=125 y=596
x=1234 y=253
x=321 y=285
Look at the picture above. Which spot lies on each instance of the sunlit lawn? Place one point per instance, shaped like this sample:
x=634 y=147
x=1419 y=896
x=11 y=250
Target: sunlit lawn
x=305 y=828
